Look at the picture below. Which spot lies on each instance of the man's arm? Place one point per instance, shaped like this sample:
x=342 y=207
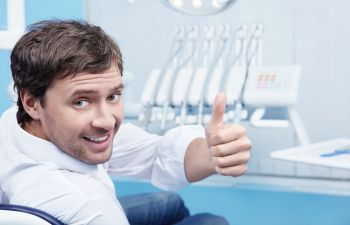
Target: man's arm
x=182 y=155
x=225 y=150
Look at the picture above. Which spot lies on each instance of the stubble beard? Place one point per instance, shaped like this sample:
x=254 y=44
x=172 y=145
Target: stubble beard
x=69 y=145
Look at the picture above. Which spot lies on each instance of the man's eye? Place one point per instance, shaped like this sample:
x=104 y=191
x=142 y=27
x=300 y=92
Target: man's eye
x=81 y=103
x=114 y=97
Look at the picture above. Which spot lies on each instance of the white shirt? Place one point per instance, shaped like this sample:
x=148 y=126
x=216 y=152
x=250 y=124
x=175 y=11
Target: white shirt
x=34 y=172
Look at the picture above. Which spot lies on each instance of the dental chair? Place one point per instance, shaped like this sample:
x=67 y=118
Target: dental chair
x=23 y=215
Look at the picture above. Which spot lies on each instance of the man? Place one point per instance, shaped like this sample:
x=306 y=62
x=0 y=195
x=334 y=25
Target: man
x=61 y=141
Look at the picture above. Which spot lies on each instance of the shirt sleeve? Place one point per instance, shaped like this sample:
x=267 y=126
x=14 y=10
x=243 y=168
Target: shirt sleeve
x=160 y=159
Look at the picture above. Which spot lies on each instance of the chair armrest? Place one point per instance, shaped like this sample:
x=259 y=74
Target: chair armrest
x=23 y=215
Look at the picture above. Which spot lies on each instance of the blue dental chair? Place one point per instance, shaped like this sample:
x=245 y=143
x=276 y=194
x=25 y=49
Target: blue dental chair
x=23 y=215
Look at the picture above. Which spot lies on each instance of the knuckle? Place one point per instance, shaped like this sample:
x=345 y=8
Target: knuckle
x=241 y=131
x=246 y=144
x=220 y=162
x=236 y=171
x=214 y=151
x=218 y=151
x=240 y=170
x=218 y=137
x=243 y=159
x=247 y=157
x=224 y=172
x=239 y=161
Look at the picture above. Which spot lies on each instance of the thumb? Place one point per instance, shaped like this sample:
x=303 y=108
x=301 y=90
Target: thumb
x=218 y=111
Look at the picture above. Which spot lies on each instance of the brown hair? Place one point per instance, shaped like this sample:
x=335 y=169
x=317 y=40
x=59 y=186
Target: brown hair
x=55 y=49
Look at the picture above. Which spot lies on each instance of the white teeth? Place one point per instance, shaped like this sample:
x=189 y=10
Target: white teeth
x=97 y=140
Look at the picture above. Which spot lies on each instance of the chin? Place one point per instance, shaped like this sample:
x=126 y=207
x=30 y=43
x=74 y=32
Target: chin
x=98 y=159
x=95 y=161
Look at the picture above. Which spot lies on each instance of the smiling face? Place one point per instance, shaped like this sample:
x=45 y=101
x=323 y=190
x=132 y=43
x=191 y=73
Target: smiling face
x=80 y=114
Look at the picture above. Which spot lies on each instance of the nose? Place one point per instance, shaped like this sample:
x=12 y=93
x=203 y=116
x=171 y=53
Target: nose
x=104 y=118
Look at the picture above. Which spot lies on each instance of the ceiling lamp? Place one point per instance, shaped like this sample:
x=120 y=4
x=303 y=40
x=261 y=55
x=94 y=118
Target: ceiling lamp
x=197 y=7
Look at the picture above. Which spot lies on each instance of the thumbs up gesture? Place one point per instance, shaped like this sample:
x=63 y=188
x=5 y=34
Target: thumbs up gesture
x=228 y=144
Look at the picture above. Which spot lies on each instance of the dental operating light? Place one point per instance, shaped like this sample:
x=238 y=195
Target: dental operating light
x=197 y=7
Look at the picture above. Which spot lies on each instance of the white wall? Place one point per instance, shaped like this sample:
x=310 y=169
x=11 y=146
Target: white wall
x=312 y=33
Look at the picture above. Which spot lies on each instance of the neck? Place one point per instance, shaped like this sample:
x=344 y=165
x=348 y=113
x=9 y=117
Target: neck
x=34 y=127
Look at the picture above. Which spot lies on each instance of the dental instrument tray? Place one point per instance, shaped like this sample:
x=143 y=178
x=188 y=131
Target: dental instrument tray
x=333 y=153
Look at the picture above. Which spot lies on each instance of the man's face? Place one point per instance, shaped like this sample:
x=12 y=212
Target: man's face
x=82 y=114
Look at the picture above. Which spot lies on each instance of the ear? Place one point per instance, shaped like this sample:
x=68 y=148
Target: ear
x=30 y=104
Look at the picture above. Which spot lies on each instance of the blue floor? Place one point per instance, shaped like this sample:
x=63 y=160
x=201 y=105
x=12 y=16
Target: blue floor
x=255 y=205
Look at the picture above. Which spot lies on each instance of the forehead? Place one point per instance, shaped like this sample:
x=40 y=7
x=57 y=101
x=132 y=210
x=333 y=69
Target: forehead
x=111 y=77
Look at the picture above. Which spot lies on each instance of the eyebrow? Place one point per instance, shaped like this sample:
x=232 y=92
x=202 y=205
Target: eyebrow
x=92 y=91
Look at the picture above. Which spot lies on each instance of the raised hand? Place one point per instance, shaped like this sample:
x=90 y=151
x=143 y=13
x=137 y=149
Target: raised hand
x=229 y=144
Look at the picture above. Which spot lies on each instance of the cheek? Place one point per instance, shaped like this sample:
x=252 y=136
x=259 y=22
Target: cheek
x=64 y=122
x=121 y=110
